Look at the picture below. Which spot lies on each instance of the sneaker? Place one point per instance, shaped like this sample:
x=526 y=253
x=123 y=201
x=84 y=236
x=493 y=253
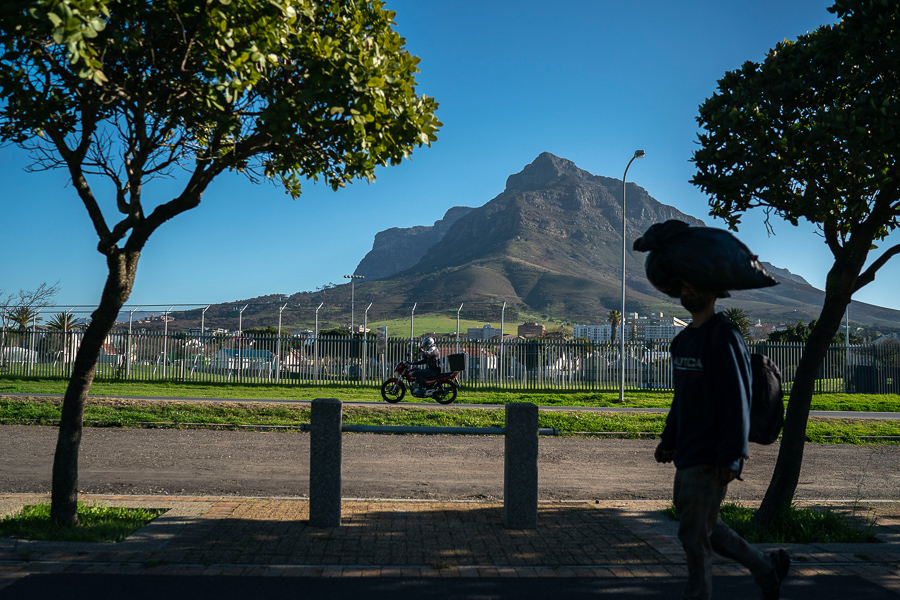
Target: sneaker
x=782 y=562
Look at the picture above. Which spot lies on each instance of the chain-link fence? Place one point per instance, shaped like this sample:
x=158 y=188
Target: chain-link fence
x=531 y=364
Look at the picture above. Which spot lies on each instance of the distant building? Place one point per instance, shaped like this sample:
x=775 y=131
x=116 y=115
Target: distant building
x=529 y=330
x=891 y=339
x=195 y=331
x=760 y=332
x=655 y=327
x=244 y=359
x=595 y=333
x=482 y=333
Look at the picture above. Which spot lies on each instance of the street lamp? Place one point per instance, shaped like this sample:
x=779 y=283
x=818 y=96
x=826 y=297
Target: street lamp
x=352 y=279
x=637 y=154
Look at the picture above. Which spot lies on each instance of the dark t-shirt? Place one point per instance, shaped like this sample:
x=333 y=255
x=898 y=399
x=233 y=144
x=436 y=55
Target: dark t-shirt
x=709 y=420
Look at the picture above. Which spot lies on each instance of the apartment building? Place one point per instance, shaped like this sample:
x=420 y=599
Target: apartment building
x=654 y=327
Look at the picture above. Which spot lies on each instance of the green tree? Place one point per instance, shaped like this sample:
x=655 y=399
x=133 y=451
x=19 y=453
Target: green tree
x=125 y=92
x=796 y=334
x=740 y=319
x=268 y=330
x=614 y=319
x=800 y=333
x=63 y=321
x=812 y=133
x=23 y=316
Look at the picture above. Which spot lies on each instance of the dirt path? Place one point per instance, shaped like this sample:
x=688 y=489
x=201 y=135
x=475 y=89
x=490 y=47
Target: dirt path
x=197 y=462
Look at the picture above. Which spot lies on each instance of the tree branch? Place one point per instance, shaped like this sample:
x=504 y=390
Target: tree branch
x=190 y=197
x=868 y=276
x=81 y=184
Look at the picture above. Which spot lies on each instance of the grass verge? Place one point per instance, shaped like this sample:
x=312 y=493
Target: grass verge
x=635 y=399
x=103 y=412
x=97 y=523
x=798 y=526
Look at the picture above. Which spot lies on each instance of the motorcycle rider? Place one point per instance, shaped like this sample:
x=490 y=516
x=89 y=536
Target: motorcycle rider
x=430 y=357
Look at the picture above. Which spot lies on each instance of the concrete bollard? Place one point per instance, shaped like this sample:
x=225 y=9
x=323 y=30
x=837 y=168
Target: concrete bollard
x=325 y=463
x=520 y=471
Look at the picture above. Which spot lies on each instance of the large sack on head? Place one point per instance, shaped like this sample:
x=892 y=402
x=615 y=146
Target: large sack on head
x=709 y=259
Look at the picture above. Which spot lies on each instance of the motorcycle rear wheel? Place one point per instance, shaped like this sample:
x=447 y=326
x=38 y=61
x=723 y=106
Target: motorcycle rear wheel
x=445 y=392
x=393 y=391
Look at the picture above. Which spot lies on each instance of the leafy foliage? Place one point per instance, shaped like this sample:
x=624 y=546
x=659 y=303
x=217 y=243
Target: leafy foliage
x=23 y=316
x=130 y=91
x=740 y=319
x=812 y=133
x=615 y=320
x=800 y=332
x=63 y=321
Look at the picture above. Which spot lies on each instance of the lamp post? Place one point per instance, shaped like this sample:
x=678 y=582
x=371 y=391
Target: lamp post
x=637 y=154
x=352 y=279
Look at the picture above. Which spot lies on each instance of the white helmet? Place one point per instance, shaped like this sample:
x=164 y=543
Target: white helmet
x=427 y=343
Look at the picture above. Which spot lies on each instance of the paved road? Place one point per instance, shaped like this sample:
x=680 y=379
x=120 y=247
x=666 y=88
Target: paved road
x=102 y=587
x=436 y=467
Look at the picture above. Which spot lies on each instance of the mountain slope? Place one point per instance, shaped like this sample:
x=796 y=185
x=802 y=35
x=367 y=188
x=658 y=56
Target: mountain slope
x=551 y=243
x=398 y=248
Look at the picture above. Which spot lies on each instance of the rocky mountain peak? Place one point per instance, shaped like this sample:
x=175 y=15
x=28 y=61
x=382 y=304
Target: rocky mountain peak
x=398 y=248
x=544 y=171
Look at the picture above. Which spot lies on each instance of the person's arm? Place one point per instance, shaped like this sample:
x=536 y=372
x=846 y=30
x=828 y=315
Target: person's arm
x=665 y=450
x=732 y=388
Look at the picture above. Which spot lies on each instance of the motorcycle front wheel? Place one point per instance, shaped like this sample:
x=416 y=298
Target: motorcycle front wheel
x=393 y=390
x=445 y=392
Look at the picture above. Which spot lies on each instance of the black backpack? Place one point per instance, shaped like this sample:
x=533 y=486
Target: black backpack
x=766 y=400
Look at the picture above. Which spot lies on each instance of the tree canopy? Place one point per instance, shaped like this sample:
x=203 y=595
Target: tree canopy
x=125 y=92
x=799 y=333
x=811 y=133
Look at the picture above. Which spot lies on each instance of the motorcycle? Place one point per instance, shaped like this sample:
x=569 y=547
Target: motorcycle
x=442 y=388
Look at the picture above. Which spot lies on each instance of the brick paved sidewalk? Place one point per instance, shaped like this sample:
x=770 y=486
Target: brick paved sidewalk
x=257 y=536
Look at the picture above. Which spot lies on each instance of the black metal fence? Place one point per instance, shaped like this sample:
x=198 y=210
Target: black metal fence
x=533 y=364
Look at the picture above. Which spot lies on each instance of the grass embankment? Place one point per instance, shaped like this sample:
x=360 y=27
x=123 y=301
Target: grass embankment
x=135 y=412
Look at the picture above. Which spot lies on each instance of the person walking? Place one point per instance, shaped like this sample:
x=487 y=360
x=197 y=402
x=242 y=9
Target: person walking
x=706 y=437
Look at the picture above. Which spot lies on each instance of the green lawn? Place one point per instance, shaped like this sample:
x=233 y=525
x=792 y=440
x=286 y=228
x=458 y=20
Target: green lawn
x=639 y=399
x=136 y=412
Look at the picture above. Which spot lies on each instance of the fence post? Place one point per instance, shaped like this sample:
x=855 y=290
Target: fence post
x=520 y=471
x=325 y=463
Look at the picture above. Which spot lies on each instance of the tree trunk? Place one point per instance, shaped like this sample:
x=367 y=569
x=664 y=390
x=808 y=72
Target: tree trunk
x=780 y=493
x=122 y=265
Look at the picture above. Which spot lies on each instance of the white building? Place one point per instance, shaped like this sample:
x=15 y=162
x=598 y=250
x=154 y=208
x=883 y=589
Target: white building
x=637 y=328
x=482 y=333
x=595 y=333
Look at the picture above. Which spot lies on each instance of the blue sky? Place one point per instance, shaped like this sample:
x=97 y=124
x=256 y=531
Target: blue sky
x=590 y=81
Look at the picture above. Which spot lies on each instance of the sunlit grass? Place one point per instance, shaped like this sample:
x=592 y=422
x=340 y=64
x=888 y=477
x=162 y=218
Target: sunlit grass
x=96 y=523
x=467 y=395
x=797 y=526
